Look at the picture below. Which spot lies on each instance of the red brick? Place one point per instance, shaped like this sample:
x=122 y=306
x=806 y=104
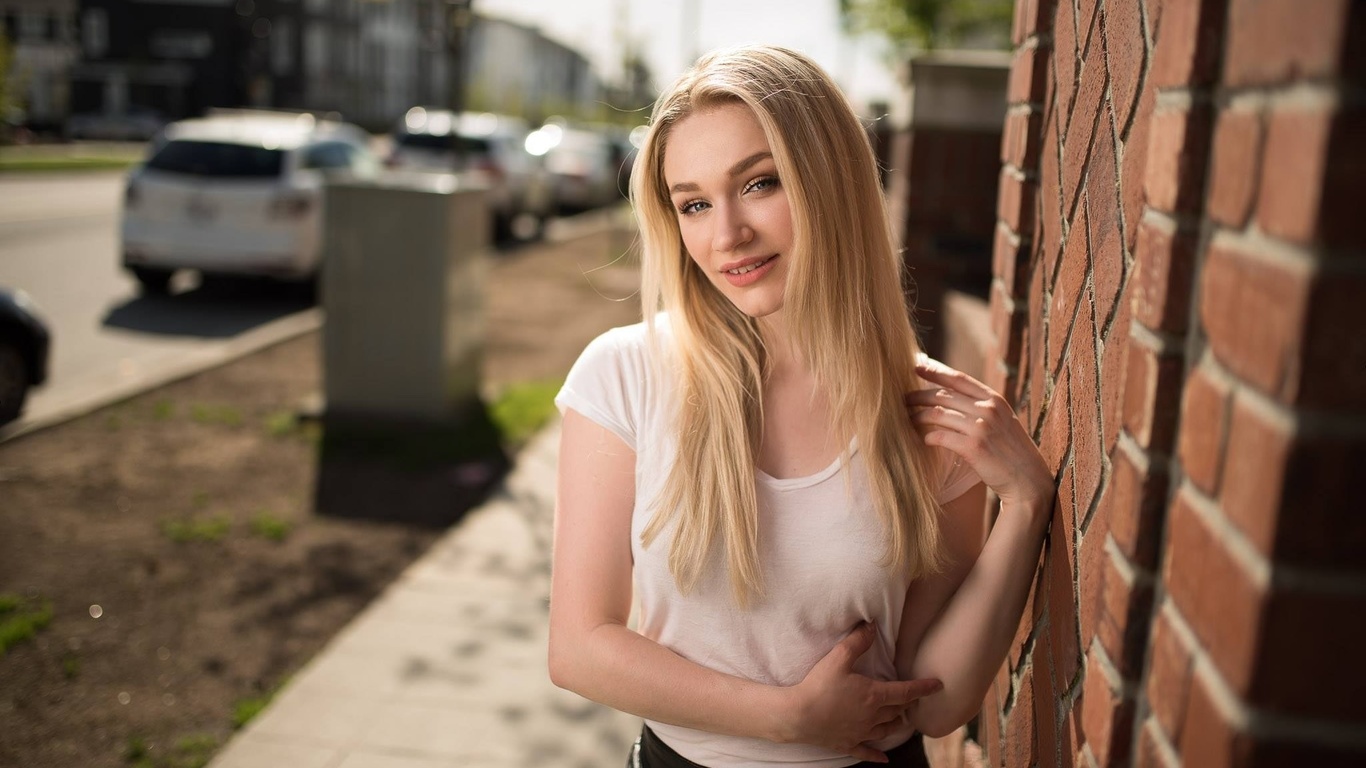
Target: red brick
x=1032 y=17
x=1204 y=423
x=1087 y=457
x=1010 y=263
x=1177 y=148
x=1207 y=737
x=1293 y=494
x=1037 y=375
x=1114 y=350
x=1021 y=138
x=1068 y=291
x=1187 y=44
x=1066 y=56
x=1136 y=496
x=1237 y=154
x=1163 y=271
x=1125 y=56
x=1056 y=435
x=1169 y=676
x=1090 y=578
x=1027 y=73
x=1046 y=686
x=1107 y=718
x=1150 y=755
x=1332 y=373
x=1299 y=670
x=1019 y=744
x=1221 y=600
x=1070 y=738
x=1292 y=178
x=1125 y=605
x=1062 y=647
x=1133 y=169
x=1102 y=217
x=1283 y=41
x=1253 y=310
x=1007 y=325
x=1087 y=20
x=1152 y=389
x=1076 y=146
x=1254 y=473
x=1017 y=202
x=1050 y=196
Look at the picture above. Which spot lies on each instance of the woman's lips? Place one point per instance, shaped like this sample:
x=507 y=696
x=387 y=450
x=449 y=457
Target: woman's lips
x=749 y=271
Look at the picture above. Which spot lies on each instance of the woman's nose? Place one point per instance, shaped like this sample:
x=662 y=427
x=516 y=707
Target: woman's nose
x=732 y=231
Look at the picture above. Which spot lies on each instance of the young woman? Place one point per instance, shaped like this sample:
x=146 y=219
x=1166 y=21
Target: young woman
x=761 y=463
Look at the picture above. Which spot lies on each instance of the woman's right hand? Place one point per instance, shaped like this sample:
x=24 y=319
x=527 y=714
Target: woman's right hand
x=840 y=709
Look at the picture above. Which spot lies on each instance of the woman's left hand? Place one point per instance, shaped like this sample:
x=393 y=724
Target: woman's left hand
x=975 y=422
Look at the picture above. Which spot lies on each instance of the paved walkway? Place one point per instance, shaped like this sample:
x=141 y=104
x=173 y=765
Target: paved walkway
x=448 y=666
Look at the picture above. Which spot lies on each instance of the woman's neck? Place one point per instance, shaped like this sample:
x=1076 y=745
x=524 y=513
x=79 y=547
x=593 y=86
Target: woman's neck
x=784 y=359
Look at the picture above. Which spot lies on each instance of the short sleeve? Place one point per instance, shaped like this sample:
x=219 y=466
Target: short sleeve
x=957 y=477
x=604 y=384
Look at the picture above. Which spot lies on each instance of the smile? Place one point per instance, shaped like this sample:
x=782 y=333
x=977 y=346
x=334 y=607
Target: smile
x=750 y=267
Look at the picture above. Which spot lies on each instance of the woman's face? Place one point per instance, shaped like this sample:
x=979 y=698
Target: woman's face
x=732 y=210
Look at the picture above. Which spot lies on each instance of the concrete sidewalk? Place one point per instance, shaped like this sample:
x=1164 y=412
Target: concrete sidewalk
x=448 y=666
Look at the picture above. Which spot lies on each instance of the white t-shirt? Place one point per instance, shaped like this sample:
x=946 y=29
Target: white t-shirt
x=820 y=542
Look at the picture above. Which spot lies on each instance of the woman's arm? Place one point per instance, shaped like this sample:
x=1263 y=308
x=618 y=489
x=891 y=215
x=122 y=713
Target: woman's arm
x=973 y=616
x=595 y=654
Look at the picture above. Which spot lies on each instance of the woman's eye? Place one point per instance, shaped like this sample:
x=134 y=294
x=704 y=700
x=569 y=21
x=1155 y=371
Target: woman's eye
x=762 y=183
x=691 y=207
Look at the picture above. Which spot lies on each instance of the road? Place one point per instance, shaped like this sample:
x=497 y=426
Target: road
x=59 y=242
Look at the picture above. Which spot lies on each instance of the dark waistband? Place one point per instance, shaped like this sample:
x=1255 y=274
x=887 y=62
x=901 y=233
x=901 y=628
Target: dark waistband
x=654 y=753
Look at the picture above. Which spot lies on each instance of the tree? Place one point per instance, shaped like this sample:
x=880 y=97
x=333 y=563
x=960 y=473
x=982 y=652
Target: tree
x=911 y=25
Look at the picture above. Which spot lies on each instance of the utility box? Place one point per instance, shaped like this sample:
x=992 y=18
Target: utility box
x=403 y=275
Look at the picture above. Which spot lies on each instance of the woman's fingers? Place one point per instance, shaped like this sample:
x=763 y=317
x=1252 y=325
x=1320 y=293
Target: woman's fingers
x=938 y=373
x=868 y=754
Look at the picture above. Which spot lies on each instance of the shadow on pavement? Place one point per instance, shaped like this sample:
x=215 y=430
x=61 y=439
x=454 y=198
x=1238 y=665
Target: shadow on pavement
x=218 y=308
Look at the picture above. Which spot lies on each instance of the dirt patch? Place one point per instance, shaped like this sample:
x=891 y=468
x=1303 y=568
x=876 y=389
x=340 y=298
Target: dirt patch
x=175 y=536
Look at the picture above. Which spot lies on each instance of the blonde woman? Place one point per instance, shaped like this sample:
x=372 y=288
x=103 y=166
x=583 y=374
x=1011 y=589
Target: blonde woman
x=762 y=464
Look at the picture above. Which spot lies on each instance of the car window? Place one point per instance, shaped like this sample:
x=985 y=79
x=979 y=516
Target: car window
x=326 y=156
x=463 y=145
x=209 y=158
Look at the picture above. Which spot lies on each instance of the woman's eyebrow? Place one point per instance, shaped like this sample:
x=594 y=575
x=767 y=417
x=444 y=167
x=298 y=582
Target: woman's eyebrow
x=735 y=170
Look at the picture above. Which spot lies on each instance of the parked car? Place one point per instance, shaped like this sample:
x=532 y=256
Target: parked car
x=24 y=346
x=492 y=149
x=582 y=165
x=136 y=124
x=237 y=193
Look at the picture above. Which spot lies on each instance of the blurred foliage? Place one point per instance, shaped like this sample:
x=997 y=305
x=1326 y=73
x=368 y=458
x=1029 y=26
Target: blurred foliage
x=524 y=408
x=924 y=25
x=268 y=526
x=21 y=619
x=204 y=529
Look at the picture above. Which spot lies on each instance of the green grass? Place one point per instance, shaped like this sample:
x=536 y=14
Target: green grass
x=70 y=157
x=21 y=619
x=199 y=499
x=281 y=424
x=268 y=526
x=524 y=408
x=216 y=414
x=203 y=529
x=193 y=751
x=163 y=410
x=71 y=666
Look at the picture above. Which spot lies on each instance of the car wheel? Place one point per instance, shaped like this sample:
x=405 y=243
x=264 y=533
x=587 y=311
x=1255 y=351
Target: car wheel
x=14 y=381
x=155 y=282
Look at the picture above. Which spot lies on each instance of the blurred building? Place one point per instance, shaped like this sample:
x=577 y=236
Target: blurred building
x=42 y=36
x=370 y=60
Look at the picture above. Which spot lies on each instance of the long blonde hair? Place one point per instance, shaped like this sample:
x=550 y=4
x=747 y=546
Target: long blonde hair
x=843 y=305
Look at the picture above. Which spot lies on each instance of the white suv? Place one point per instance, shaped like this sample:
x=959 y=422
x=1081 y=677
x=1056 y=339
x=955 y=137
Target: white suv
x=237 y=192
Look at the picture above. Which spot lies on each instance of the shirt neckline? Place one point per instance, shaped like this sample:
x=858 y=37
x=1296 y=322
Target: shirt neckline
x=806 y=481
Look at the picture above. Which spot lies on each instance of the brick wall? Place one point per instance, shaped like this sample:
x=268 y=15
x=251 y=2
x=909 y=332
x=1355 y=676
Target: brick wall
x=1179 y=315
